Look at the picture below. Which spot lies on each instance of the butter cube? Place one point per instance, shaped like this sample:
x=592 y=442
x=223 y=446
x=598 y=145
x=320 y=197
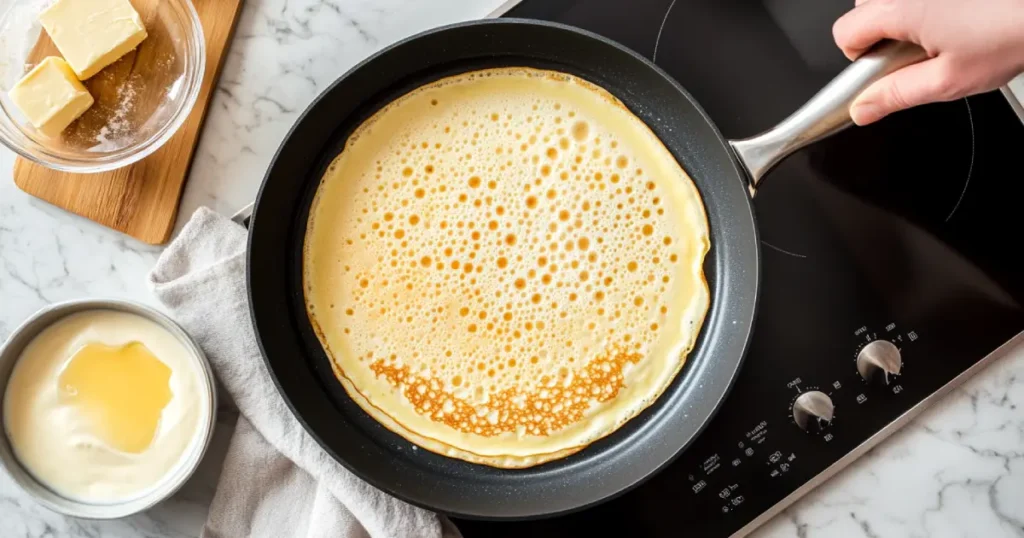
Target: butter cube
x=51 y=96
x=92 y=34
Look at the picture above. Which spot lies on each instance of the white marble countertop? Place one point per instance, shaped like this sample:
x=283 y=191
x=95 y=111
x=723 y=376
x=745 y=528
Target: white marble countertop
x=957 y=470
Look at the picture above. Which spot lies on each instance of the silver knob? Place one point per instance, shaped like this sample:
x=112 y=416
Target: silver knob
x=812 y=405
x=879 y=355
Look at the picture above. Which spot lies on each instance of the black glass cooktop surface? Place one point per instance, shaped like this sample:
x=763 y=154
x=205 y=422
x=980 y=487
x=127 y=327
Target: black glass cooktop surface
x=901 y=232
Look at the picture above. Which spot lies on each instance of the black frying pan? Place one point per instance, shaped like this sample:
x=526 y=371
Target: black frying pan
x=725 y=173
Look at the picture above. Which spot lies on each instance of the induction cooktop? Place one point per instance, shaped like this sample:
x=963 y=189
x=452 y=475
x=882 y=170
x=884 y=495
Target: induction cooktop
x=887 y=280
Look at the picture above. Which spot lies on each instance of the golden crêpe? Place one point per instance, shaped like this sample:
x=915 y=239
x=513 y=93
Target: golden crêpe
x=505 y=266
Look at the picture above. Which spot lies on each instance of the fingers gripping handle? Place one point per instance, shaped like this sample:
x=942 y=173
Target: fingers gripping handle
x=826 y=113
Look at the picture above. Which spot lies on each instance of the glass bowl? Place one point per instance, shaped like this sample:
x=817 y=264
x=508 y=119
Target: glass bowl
x=141 y=99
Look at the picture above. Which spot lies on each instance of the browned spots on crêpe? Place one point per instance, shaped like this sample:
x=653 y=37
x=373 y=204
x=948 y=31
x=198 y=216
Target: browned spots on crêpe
x=558 y=402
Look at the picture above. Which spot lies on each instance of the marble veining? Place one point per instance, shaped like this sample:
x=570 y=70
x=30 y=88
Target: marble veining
x=957 y=470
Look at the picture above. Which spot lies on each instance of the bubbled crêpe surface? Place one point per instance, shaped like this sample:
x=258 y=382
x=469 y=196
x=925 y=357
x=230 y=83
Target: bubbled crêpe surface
x=505 y=266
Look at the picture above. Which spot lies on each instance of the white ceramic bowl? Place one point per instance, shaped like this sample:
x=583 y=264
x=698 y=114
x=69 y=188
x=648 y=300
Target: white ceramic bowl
x=9 y=354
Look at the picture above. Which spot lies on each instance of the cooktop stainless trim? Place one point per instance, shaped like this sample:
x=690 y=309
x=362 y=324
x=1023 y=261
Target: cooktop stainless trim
x=884 y=433
x=503 y=8
x=1014 y=96
x=244 y=213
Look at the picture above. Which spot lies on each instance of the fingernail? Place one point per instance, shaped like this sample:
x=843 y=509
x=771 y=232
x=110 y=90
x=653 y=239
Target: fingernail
x=865 y=113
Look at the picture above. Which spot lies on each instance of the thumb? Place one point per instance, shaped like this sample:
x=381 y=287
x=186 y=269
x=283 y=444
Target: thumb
x=914 y=85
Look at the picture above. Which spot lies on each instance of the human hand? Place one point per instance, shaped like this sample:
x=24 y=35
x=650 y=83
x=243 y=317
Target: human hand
x=973 y=46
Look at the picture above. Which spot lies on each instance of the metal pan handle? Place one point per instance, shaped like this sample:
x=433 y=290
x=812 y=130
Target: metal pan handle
x=826 y=113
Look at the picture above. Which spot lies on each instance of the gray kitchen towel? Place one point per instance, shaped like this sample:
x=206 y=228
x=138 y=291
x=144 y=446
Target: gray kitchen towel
x=276 y=480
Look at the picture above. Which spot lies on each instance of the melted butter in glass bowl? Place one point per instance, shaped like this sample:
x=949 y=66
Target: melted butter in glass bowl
x=141 y=99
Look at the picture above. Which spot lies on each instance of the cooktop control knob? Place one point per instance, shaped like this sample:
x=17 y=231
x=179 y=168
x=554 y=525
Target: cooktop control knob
x=812 y=410
x=879 y=356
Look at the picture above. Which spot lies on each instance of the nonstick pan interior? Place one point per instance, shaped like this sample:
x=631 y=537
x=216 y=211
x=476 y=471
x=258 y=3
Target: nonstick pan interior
x=609 y=466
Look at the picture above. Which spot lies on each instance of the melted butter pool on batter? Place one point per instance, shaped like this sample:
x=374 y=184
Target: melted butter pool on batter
x=122 y=390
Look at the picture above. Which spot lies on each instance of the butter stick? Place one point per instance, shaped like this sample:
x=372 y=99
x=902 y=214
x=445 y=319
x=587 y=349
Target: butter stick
x=51 y=96
x=92 y=34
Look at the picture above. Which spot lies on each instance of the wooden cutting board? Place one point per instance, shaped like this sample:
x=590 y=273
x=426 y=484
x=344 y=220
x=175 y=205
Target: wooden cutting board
x=142 y=199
